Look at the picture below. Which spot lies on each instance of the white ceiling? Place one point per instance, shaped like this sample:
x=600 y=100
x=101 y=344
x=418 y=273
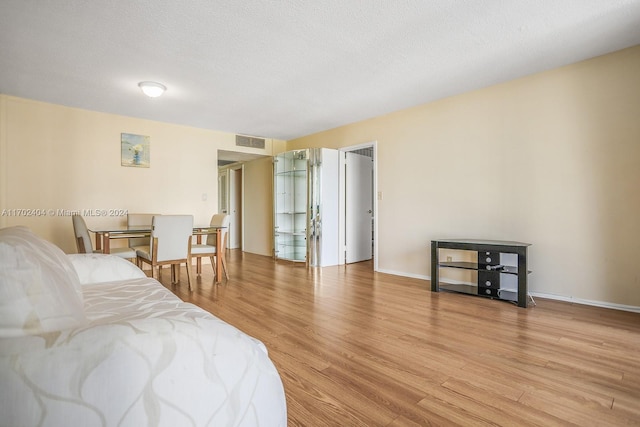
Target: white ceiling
x=288 y=68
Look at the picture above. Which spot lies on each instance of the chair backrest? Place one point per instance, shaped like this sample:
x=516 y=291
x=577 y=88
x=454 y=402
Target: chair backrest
x=174 y=236
x=219 y=220
x=139 y=220
x=83 y=240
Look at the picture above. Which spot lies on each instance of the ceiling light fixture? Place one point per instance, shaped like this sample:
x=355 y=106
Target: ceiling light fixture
x=152 y=89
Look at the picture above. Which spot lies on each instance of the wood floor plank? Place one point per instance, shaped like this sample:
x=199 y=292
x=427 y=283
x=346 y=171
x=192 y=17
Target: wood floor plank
x=360 y=348
x=493 y=407
x=627 y=407
x=584 y=416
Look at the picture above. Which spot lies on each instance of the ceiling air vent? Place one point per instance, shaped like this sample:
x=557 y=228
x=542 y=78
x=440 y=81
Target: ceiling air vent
x=249 y=141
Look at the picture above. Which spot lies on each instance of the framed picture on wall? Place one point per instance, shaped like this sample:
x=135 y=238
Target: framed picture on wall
x=135 y=150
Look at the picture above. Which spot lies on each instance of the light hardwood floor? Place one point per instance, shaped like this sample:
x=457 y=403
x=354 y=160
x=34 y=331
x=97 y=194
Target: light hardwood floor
x=358 y=348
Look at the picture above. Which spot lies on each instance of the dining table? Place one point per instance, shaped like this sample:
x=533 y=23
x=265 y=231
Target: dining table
x=106 y=234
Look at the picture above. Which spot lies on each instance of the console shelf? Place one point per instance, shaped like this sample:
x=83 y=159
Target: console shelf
x=488 y=267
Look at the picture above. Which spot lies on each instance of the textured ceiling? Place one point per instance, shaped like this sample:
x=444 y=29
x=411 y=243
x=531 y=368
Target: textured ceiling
x=284 y=69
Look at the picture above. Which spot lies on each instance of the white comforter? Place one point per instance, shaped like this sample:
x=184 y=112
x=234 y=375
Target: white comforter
x=144 y=359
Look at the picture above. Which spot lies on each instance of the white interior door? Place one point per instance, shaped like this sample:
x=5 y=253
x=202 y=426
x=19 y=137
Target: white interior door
x=358 y=207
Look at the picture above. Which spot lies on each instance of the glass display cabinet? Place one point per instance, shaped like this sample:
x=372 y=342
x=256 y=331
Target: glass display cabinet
x=306 y=206
x=290 y=218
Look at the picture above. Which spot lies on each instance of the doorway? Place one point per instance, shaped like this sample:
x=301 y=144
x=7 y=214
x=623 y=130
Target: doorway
x=235 y=208
x=358 y=228
x=247 y=179
x=230 y=202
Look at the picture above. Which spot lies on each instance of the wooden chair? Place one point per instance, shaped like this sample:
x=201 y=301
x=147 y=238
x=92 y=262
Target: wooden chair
x=170 y=244
x=209 y=249
x=85 y=246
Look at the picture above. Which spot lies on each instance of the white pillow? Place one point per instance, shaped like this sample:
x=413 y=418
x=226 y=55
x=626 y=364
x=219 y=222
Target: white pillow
x=39 y=289
x=99 y=268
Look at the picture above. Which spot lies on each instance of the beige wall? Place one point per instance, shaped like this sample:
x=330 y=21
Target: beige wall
x=552 y=159
x=258 y=206
x=58 y=158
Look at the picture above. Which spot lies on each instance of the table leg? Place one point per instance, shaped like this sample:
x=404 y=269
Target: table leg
x=106 y=249
x=198 y=259
x=219 y=256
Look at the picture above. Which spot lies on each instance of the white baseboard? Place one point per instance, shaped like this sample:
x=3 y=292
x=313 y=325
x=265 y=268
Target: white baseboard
x=603 y=304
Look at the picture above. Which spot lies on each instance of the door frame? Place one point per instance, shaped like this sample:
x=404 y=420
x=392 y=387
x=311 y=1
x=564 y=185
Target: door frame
x=233 y=184
x=342 y=202
x=228 y=170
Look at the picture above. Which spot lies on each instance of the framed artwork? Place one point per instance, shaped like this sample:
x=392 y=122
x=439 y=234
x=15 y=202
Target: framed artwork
x=135 y=150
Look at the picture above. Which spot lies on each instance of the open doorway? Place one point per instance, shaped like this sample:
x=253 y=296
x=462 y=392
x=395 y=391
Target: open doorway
x=358 y=205
x=230 y=202
x=236 y=171
x=235 y=207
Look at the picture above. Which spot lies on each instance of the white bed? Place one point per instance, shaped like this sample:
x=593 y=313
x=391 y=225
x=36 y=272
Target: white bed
x=136 y=355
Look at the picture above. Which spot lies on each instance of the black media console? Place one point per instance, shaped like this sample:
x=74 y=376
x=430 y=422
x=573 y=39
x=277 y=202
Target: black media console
x=488 y=267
